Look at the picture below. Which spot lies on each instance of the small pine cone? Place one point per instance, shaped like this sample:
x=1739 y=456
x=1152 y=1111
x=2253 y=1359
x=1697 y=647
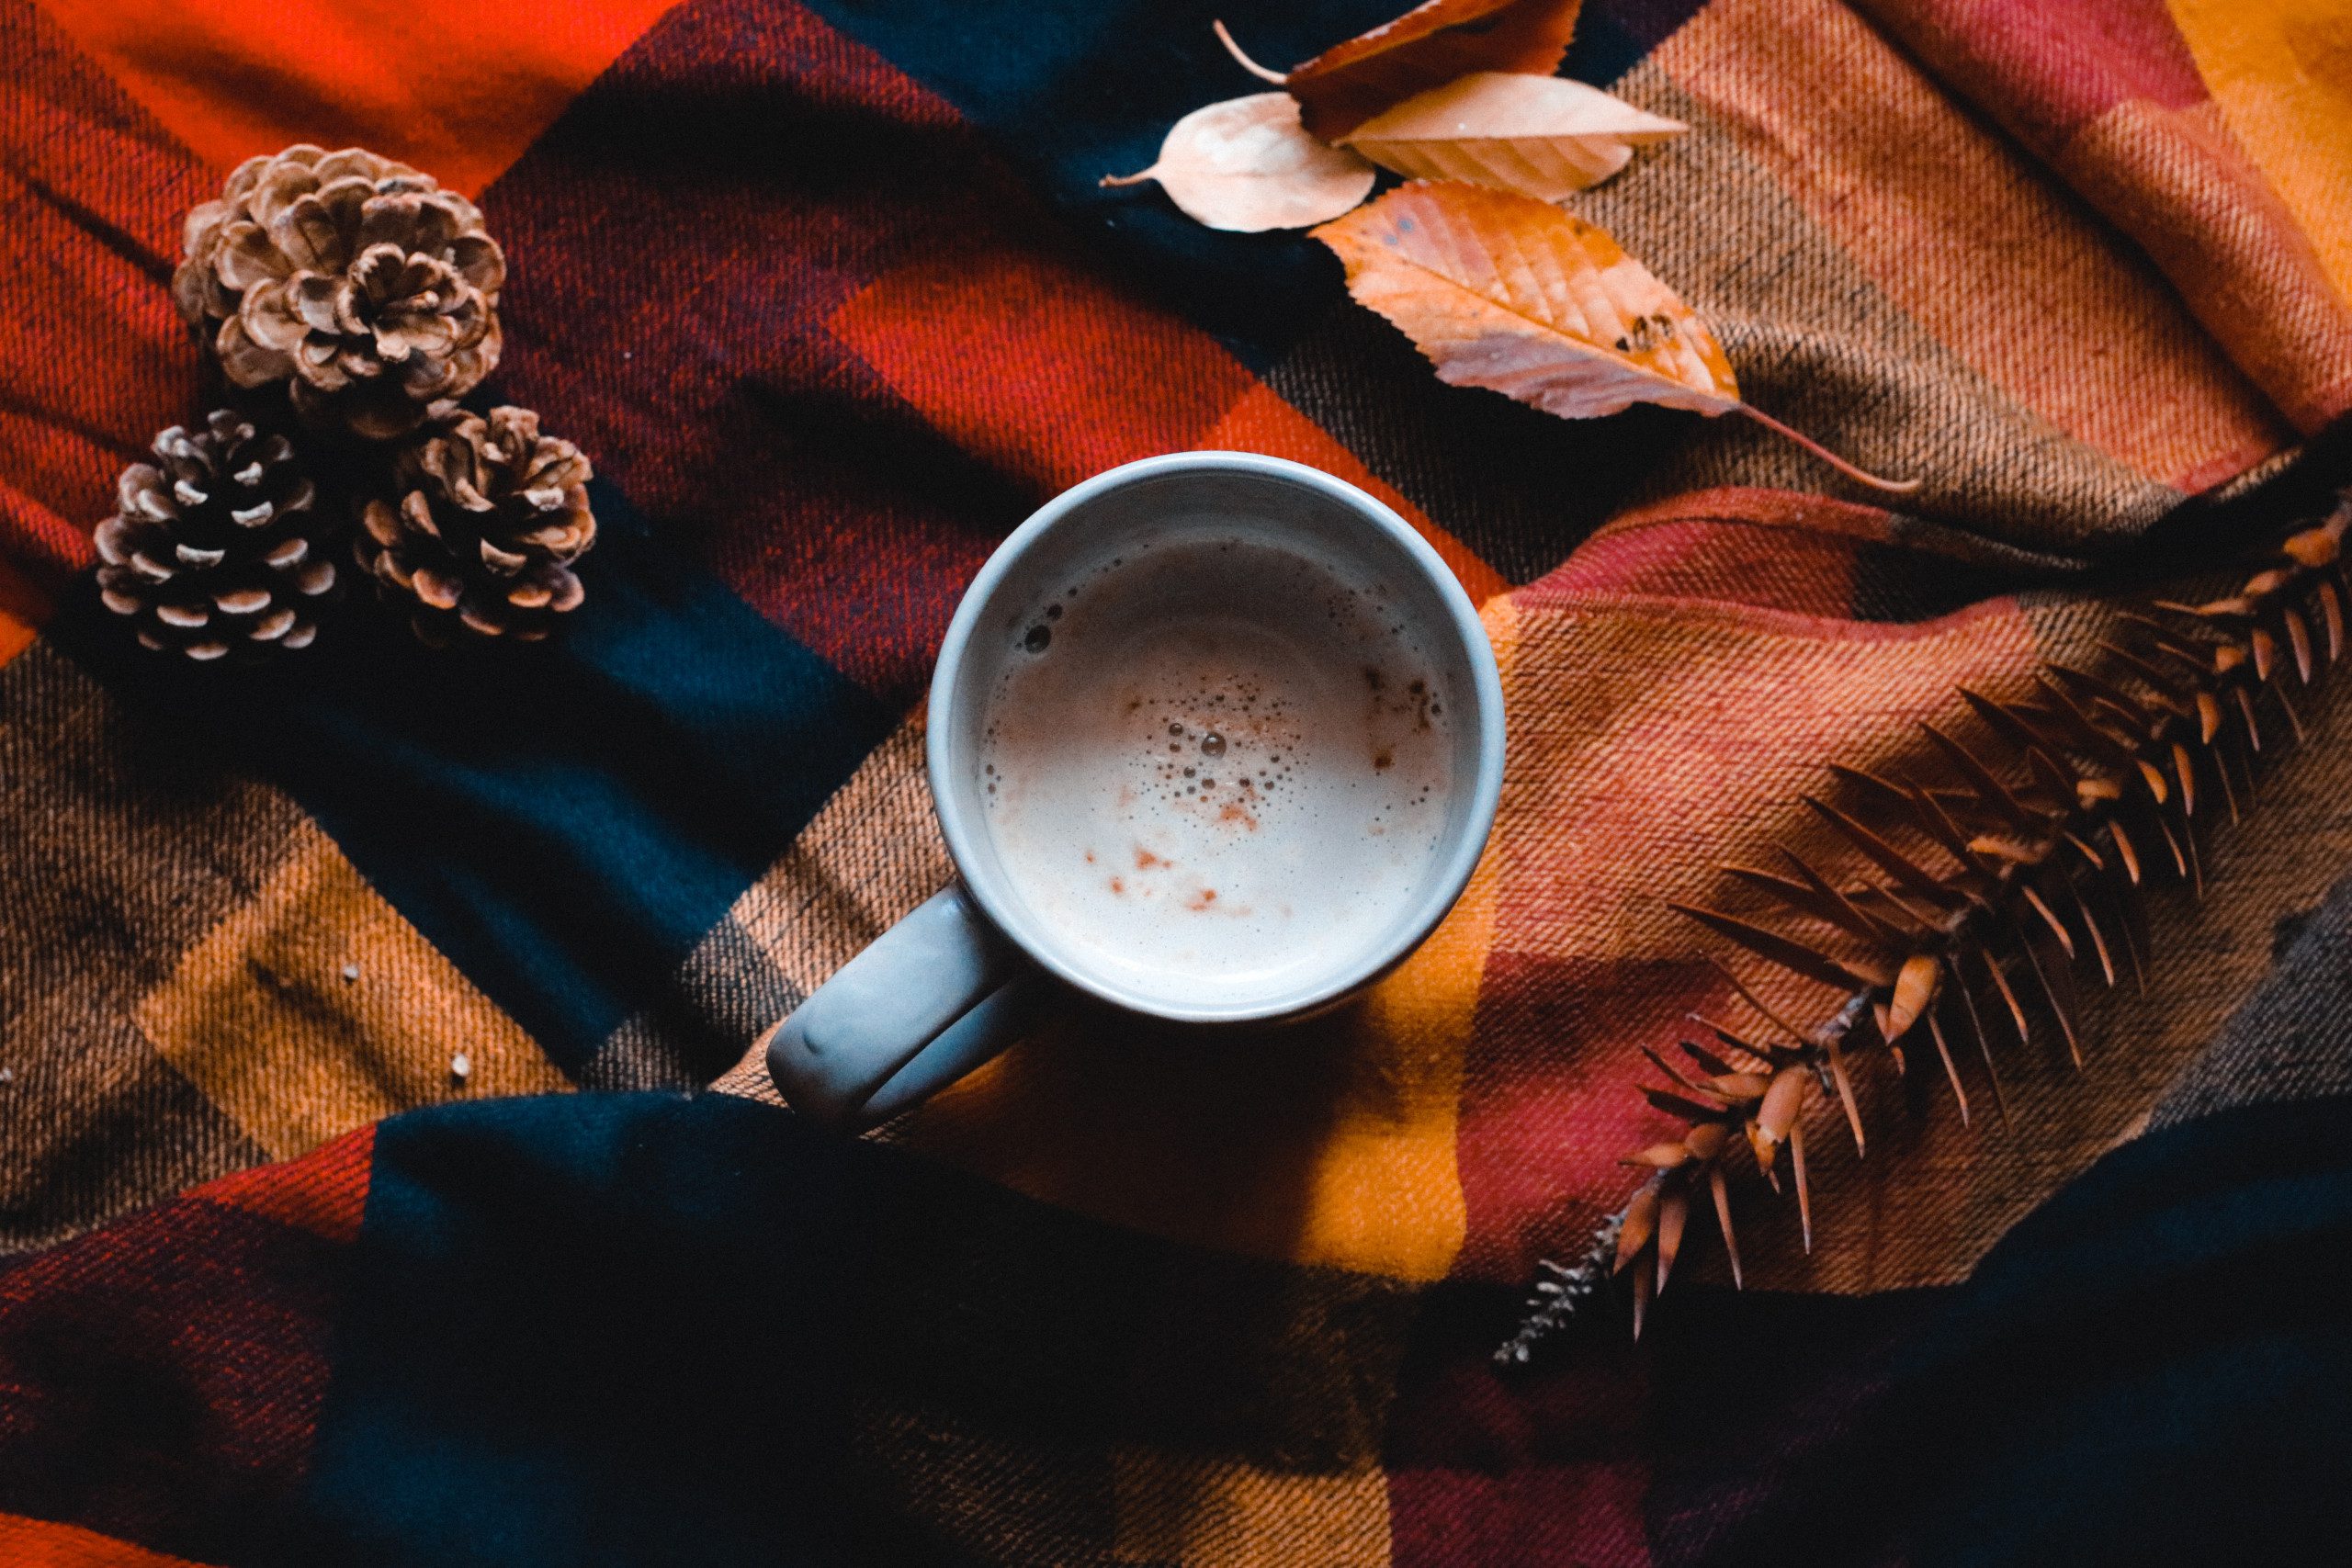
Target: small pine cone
x=488 y=518
x=216 y=547
x=358 y=282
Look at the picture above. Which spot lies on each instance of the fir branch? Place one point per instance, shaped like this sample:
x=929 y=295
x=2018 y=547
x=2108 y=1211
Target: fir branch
x=1979 y=882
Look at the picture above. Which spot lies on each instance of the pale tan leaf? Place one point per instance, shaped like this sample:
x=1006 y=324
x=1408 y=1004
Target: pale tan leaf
x=1248 y=165
x=1509 y=293
x=1541 y=136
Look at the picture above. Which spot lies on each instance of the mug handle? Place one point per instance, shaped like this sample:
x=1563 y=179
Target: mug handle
x=926 y=1002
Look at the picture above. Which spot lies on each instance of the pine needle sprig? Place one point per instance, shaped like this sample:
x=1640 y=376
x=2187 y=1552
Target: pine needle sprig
x=1974 y=886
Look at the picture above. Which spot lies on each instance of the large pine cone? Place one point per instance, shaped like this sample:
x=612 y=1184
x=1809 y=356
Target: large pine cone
x=491 y=515
x=216 y=547
x=371 y=292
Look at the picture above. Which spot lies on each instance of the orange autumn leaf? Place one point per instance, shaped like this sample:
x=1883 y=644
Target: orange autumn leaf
x=1427 y=47
x=1503 y=291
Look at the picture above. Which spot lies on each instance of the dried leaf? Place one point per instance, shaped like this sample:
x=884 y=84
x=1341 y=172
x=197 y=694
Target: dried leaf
x=1708 y=1061
x=1846 y=1098
x=1791 y=956
x=2294 y=719
x=1804 y=1191
x=1907 y=872
x=1673 y=1213
x=1782 y=1102
x=1541 y=136
x=1676 y=1105
x=1246 y=165
x=1915 y=988
x=1716 y=1185
x=2016 y=1009
x=2049 y=917
x=2050 y=994
x=1640 y=1222
x=1983 y=1040
x=1951 y=1069
x=1427 y=47
x=1986 y=783
x=1509 y=293
x=1750 y=998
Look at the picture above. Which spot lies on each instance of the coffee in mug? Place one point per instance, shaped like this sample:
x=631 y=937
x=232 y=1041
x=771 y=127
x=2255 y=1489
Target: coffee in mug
x=1217 y=759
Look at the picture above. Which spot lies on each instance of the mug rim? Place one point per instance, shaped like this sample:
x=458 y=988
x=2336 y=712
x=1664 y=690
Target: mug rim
x=1454 y=867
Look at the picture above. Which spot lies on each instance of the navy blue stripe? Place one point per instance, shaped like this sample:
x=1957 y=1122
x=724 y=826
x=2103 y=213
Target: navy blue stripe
x=563 y=821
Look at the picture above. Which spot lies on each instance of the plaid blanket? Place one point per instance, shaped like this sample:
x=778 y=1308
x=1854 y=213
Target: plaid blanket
x=828 y=290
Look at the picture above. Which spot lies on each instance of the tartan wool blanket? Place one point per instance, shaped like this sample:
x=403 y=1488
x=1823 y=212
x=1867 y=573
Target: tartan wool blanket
x=828 y=290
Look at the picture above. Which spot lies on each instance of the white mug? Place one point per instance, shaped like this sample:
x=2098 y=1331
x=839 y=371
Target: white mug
x=966 y=973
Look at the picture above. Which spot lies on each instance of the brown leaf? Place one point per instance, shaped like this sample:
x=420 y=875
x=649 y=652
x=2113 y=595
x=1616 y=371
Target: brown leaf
x=1986 y=783
x=1983 y=1040
x=2099 y=939
x=2049 y=917
x=1788 y=954
x=1541 y=136
x=1505 y=292
x=2125 y=848
x=1708 y=1061
x=1845 y=1097
x=2208 y=717
x=1246 y=165
x=1804 y=1189
x=1914 y=989
x=2016 y=1009
x=1716 y=1185
x=1425 y=47
x=1782 y=1102
x=2050 y=994
x=1951 y=1069
x=1673 y=1213
x=1749 y=996
x=1640 y=1222
x=1907 y=872
x=1676 y=1105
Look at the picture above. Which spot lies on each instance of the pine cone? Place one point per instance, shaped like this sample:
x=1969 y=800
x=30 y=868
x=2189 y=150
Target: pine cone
x=489 y=518
x=216 y=547
x=371 y=292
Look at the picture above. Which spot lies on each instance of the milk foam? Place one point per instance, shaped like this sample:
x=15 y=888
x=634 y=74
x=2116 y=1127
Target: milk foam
x=1217 y=769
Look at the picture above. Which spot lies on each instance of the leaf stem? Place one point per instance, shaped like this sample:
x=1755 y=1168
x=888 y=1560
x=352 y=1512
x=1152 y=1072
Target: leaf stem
x=1892 y=487
x=1134 y=179
x=1252 y=66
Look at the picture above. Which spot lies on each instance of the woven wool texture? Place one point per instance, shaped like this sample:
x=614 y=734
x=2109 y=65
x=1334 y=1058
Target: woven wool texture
x=828 y=293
